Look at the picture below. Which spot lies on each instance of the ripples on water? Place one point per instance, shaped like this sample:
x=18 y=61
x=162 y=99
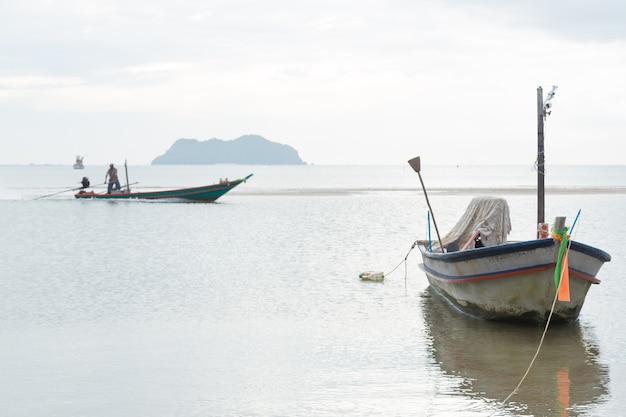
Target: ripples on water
x=252 y=306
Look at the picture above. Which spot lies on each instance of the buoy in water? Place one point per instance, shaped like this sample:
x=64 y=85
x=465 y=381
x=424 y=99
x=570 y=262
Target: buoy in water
x=371 y=276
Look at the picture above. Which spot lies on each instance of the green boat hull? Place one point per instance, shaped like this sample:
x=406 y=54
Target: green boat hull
x=207 y=193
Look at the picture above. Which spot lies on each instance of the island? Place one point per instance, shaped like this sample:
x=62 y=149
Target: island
x=245 y=150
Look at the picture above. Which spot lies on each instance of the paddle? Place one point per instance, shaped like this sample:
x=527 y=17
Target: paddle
x=126 y=169
x=64 y=191
x=416 y=165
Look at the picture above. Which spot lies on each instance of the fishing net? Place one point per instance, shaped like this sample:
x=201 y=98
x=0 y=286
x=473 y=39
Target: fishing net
x=488 y=215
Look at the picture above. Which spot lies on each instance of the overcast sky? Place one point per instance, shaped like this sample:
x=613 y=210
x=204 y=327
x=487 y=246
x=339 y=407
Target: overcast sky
x=343 y=82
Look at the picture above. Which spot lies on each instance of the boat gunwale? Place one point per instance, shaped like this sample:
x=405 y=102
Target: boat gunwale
x=512 y=247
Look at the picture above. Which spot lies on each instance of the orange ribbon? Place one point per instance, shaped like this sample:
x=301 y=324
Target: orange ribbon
x=561 y=272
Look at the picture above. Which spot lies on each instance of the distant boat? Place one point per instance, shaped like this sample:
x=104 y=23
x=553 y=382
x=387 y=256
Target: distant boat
x=207 y=193
x=79 y=162
x=491 y=278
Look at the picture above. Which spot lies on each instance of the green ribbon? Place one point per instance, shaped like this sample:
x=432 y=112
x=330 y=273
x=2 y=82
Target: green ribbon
x=562 y=249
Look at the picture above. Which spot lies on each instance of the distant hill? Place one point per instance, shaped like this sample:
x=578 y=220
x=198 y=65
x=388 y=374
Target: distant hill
x=246 y=150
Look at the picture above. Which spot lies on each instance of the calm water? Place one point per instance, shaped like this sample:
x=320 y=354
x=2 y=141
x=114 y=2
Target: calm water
x=252 y=306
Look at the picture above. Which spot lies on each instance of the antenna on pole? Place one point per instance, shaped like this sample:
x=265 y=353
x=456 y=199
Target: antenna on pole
x=547 y=105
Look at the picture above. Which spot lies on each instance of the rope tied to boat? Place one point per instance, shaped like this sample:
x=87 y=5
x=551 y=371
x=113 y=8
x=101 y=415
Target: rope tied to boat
x=405 y=258
x=562 y=264
x=404 y=261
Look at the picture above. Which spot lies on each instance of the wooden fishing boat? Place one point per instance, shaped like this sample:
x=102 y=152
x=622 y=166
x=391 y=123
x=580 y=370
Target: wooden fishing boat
x=514 y=281
x=207 y=193
x=491 y=278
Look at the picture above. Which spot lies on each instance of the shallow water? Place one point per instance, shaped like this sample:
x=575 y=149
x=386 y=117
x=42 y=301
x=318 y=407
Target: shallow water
x=252 y=306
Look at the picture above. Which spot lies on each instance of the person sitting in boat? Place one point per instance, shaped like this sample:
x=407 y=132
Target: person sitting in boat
x=85 y=182
x=113 y=180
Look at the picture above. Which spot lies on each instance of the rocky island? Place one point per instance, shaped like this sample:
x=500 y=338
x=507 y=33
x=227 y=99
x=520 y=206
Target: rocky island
x=246 y=150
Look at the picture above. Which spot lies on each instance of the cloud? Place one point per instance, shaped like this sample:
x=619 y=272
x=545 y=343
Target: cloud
x=37 y=82
x=340 y=81
x=572 y=20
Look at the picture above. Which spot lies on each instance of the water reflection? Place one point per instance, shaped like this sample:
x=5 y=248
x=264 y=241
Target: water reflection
x=490 y=359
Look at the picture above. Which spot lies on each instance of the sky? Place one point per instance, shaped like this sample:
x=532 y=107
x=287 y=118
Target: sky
x=344 y=82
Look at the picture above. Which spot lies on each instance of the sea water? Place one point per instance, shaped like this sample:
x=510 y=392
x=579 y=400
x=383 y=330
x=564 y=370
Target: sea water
x=252 y=306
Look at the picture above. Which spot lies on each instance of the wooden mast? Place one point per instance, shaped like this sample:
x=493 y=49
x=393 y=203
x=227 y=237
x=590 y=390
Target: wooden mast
x=542 y=111
x=127 y=183
x=540 y=160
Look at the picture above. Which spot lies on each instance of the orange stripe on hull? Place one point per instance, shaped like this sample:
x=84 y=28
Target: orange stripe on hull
x=507 y=274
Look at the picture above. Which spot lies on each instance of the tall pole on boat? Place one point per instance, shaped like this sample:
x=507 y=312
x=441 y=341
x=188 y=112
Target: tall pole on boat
x=543 y=110
x=540 y=159
x=417 y=167
x=127 y=183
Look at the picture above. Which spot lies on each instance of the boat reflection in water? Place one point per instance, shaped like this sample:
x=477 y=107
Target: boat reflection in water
x=491 y=358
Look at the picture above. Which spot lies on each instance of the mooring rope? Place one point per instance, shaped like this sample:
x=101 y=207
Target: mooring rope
x=403 y=261
x=545 y=330
x=543 y=336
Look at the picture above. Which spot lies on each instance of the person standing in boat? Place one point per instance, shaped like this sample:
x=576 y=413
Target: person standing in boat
x=113 y=180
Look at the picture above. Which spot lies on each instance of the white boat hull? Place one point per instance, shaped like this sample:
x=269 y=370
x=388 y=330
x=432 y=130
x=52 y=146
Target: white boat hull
x=513 y=281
